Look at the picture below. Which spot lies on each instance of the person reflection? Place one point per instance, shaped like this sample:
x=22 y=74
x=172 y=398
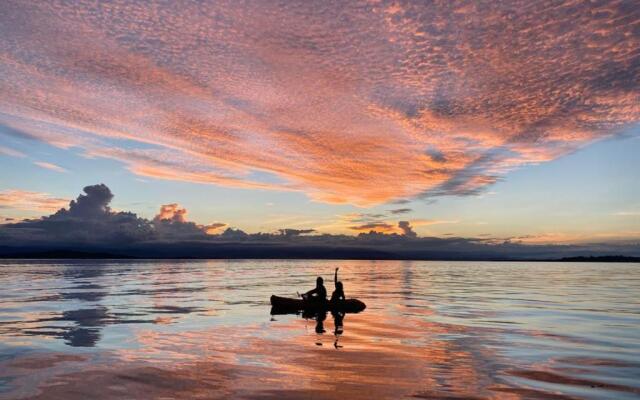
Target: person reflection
x=338 y=318
x=320 y=317
x=338 y=322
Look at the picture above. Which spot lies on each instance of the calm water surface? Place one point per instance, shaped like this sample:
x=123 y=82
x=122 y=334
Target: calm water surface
x=203 y=329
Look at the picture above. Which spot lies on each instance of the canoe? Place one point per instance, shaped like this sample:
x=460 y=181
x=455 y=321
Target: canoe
x=284 y=305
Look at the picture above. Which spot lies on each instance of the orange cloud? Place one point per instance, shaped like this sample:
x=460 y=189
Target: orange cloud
x=176 y=215
x=374 y=226
x=214 y=229
x=363 y=104
x=424 y=222
x=172 y=212
x=31 y=201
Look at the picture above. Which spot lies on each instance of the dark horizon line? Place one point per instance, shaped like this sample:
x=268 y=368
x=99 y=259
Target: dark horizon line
x=87 y=255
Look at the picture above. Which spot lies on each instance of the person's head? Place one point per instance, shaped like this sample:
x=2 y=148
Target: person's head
x=339 y=286
x=319 y=281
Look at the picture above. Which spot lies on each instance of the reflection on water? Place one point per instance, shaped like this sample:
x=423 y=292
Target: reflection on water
x=203 y=329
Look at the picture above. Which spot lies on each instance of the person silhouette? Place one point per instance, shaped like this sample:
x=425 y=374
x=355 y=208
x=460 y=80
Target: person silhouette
x=338 y=293
x=319 y=293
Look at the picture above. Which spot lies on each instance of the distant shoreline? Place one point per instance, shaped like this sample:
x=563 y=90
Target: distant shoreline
x=83 y=255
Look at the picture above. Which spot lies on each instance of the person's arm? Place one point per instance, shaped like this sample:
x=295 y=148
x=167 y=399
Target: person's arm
x=335 y=278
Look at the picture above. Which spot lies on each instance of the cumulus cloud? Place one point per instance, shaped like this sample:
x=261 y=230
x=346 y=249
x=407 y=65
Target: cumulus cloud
x=406 y=228
x=171 y=222
x=172 y=213
x=378 y=223
x=93 y=204
x=234 y=234
x=89 y=224
x=364 y=102
x=88 y=219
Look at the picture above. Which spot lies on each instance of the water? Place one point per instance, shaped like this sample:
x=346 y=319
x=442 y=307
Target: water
x=203 y=329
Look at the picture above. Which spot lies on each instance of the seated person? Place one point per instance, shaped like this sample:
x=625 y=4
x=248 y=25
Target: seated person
x=338 y=294
x=317 y=294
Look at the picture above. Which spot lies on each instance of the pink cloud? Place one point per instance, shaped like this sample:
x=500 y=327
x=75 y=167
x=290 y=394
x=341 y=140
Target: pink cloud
x=176 y=215
x=30 y=201
x=347 y=105
x=172 y=212
x=50 y=166
x=7 y=151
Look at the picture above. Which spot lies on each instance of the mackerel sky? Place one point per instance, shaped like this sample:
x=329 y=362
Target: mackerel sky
x=512 y=119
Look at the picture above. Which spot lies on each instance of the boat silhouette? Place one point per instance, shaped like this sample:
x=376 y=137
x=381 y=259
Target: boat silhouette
x=285 y=305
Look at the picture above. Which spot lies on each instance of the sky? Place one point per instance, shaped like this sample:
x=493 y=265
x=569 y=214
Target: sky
x=507 y=120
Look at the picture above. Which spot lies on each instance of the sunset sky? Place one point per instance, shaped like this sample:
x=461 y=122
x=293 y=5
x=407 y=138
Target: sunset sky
x=513 y=119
